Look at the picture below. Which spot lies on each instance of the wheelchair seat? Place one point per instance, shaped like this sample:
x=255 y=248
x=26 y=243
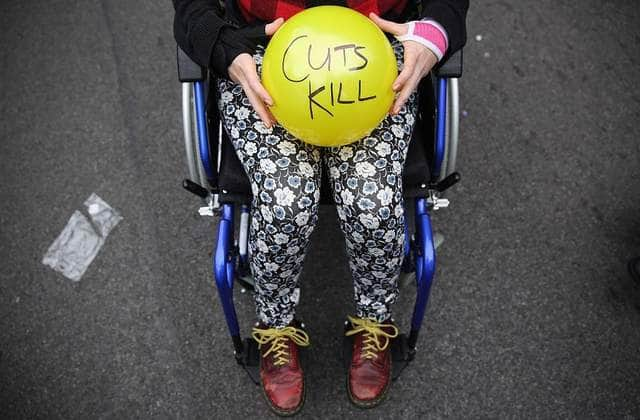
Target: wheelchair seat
x=233 y=183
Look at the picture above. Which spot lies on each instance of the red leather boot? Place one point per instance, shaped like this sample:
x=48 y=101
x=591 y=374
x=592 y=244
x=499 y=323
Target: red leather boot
x=281 y=375
x=370 y=370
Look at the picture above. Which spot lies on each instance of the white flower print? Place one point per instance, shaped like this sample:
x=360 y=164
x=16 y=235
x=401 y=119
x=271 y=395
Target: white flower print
x=380 y=163
x=295 y=296
x=369 y=221
x=398 y=210
x=281 y=238
x=270 y=184
x=235 y=133
x=345 y=153
x=260 y=128
x=376 y=252
x=370 y=141
x=362 y=262
x=304 y=202
x=365 y=204
x=334 y=173
x=251 y=149
x=398 y=131
x=369 y=187
x=262 y=246
x=389 y=236
x=286 y=148
x=365 y=169
x=284 y=196
x=266 y=213
x=302 y=155
x=270 y=267
x=267 y=166
x=293 y=181
x=397 y=167
x=271 y=139
x=305 y=169
x=226 y=96
x=357 y=237
x=408 y=118
x=293 y=250
x=360 y=156
x=385 y=196
x=383 y=149
x=384 y=212
x=364 y=300
x=309 y=187
x=379 y=274
x=347 y=197
x=242 y=113
x=301 y=218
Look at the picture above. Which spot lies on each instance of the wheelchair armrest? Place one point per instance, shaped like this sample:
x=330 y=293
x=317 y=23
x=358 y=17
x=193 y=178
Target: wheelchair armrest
x=452 y=67
x=188 y=70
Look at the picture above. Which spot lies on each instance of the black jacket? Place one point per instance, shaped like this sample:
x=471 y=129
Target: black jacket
x=214 y=41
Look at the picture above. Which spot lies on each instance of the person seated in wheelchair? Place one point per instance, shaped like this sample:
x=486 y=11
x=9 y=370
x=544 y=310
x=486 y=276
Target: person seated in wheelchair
x=285 y=177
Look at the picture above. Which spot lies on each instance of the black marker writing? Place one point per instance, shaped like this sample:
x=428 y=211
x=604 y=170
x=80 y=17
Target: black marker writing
x=353 y=59
x=284 y=60
x=313 y=102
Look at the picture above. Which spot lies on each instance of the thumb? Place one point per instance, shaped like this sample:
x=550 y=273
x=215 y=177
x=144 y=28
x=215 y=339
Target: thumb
x=271 y=28
x=388 y=26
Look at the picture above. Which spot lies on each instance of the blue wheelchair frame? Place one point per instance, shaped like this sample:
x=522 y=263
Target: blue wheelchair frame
x=424 y=255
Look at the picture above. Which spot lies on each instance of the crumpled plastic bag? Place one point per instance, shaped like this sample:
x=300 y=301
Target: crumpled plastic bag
x=80 y=241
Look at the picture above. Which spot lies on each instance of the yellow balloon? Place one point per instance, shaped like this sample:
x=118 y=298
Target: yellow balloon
x=329 y=70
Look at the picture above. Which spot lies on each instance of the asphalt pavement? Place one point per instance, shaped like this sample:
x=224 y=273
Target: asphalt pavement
x=532 y=315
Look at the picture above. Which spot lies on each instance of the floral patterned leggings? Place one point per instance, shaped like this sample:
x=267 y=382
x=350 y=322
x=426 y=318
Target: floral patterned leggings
x=284 y=173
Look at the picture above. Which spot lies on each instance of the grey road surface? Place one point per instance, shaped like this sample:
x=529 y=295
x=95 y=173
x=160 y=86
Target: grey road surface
x=532 y=314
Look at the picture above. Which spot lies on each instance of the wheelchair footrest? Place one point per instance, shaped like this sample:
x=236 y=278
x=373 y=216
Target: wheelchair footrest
x=401 y=354
x=249 y=359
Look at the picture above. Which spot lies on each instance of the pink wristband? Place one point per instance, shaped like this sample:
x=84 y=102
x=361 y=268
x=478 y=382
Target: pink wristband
x=428 y=33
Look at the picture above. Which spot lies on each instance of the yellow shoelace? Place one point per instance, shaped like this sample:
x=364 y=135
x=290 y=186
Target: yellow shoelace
x=277 y=338
x=375 y=338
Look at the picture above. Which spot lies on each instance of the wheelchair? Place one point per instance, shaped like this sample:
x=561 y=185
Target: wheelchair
x=218 y=178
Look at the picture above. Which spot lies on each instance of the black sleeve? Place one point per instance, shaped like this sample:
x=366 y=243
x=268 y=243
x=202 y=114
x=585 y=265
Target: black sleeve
x=204 y=35
x=451 y=14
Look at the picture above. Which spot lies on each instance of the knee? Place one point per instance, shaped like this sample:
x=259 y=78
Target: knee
x=372 y=219
x=373 y=205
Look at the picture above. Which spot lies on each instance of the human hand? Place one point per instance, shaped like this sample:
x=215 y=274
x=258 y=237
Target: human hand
x=243 y=71
x=418 y=62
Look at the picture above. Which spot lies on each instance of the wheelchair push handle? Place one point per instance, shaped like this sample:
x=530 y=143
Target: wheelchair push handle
x=188 y=70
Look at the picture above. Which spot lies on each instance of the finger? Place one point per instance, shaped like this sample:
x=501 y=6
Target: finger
x=254 y=82
x=406 y=91
x=393 y=28
x=260 y=108
x=408 y=70
x=272 y=27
